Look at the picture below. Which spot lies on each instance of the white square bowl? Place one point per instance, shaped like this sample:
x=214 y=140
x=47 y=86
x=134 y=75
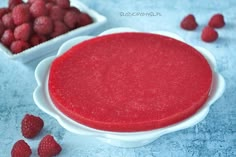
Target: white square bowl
x=122 y=139
x=51 y=46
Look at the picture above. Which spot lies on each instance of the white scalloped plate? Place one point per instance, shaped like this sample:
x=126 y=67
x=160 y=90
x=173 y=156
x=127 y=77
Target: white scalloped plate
x=51 y=46
x=134 y=139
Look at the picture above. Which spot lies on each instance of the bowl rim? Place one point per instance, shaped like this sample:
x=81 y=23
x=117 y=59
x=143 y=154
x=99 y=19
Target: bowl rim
x=98 y=20
x=41 y=95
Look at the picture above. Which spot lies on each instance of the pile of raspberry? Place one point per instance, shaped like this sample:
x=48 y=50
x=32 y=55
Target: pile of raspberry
x=24 y=25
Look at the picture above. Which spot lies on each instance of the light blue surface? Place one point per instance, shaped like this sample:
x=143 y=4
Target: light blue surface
x=214 y=137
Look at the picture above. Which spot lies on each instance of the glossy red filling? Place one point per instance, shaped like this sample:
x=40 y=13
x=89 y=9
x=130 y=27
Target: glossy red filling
x=129 y=82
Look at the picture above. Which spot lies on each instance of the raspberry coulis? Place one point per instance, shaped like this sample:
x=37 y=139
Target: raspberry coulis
x=129 y=82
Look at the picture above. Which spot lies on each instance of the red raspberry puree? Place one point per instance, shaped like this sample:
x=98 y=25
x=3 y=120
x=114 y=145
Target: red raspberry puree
x=128 y=82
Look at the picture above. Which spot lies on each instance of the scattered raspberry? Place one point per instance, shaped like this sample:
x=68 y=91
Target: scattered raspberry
x=84 y=19
x=189 y=23
x=8 y=21
x=13 y=3
x=59 y=28
x=65 y=4
x=48 y=147
x=23 y=32
x=37 y=39
x=2 y=28
x=217 y=21
x=43 y=25
x=31 y=125
x=71 y=19
x=3 y=11
x=21 y=14
x=19 y=46
x=56 y=13
x=38 y=8
x=21 y=149
x=7 y=37
x=209 y=34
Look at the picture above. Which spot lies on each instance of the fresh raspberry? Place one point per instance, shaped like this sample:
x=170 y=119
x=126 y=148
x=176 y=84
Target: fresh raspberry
x=8 y=21
x=53 y=1
x=37 y=39
x=7 y=37
x=189 y=22
x=13 y=3
x=43 y=25
x=209 y=34
x=71 y=19
x=23 y=32
x=32 y=1
x=217 y=21
x=65 y=4
x=21 y=14
x=56 y=13
x=17 y=47
x=59 y=28
x=72 y=8
x=49 y=6
x=3 y=11
x=84 y=19
x=31 y=125
x=21 y=149
x=38 y=8
x=2 y=28
x=48 y=147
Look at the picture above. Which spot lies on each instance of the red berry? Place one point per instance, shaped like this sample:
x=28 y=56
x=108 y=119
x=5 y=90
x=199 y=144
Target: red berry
x=3 y=11
x=59 y=28
x=65 y=4
x=43 y=25
x=189 y=22
x=217 y=21
x=31 y=125
x=56 y=13
x=17 y=47
x=2 y=28
x=48 y=147
x=37 y=39
x=13 y=3
x=74 y=9
x=31 y=1
x=71 y=19
x=7 y=37
x=23 y=32
x=38 y=8
x=21 y=14
x=84 y=19
x=209 y=34
x=21 y=149
x=8 y=21
x=49 y=5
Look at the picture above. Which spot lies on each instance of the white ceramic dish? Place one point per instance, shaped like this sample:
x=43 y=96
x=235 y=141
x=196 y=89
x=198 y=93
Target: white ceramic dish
x=53 y=45
x=43 y=101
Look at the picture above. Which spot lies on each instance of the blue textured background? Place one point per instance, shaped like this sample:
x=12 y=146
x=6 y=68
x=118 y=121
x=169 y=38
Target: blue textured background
x=214 y=137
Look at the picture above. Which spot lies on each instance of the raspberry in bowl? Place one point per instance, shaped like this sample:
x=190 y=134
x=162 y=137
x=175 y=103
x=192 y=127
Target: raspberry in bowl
x=34 y=29
x=127 y=87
